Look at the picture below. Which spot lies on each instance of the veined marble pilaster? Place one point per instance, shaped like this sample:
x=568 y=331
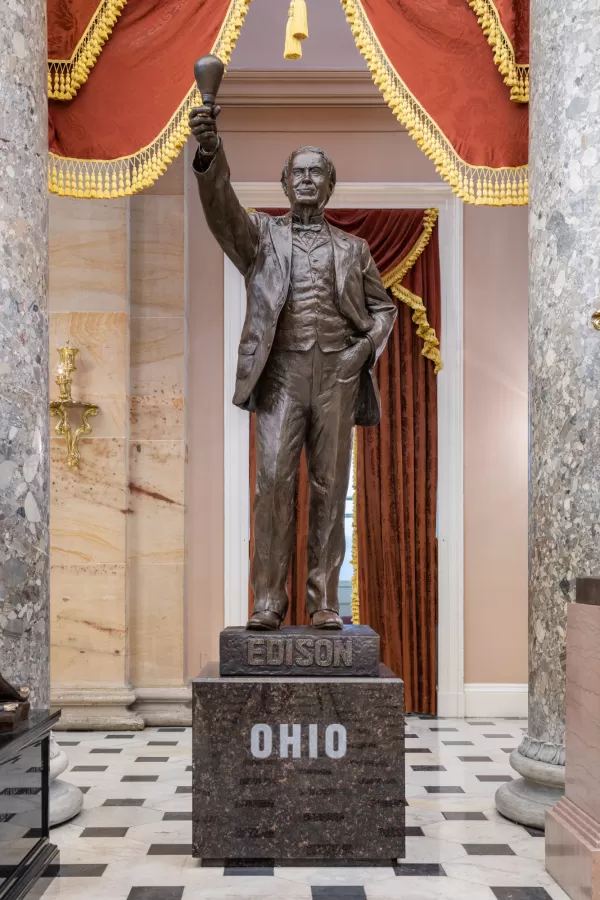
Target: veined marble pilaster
x=24 y=589
x=564 y=372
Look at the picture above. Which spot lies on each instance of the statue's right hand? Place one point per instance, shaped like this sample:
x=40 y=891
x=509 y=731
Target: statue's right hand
x=204 y=127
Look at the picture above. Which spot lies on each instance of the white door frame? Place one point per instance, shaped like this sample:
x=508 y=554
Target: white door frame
x=376 y=195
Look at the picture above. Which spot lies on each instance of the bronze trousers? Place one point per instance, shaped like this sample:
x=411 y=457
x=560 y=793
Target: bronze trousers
x=303 y=400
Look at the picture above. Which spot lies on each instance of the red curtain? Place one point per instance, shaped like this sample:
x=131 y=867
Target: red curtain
x=396 y=499
x=397 y=472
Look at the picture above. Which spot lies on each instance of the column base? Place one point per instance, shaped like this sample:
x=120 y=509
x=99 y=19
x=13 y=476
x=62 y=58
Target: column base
x=526 y=800
x=573 y=850
x=105 y=709
x=65 y=799
x=164 y=706
x=66 y=802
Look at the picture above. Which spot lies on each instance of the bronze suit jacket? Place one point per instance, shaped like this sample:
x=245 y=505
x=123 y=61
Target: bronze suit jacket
x=260 y=246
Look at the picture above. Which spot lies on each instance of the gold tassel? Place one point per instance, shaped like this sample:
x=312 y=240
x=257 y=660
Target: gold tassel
x=293 y=47
x=299 y=19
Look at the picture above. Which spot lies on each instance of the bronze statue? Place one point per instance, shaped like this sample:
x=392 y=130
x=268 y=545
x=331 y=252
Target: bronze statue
x=317 y=319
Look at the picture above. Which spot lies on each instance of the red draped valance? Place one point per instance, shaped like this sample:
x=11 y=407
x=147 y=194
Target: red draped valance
x=435 y=71
x=120 y=133
x=77 y=31
x=430 y=58
x=505 y=23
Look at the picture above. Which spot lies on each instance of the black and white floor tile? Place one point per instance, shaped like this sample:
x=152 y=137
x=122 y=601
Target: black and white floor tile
x=133 y=839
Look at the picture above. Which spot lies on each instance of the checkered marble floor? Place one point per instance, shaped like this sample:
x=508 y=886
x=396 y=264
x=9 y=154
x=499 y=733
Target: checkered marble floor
x=133 y=839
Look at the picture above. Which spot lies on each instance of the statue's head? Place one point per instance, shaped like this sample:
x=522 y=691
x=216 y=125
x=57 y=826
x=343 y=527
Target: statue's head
x=308 y=178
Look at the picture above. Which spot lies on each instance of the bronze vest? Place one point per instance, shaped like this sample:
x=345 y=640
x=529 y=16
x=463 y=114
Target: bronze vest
x=310 y=315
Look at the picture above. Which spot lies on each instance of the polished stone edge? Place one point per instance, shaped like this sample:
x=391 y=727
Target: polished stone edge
x=96 y=710
x=526 y=800
x=211 y=672
x=573 y=850
x=164 y=706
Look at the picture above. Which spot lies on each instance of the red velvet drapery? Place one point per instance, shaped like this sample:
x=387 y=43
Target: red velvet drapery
x=396 y=472
x=430 y=58
x=432 y=63
x=77 y=32
x=505 y=23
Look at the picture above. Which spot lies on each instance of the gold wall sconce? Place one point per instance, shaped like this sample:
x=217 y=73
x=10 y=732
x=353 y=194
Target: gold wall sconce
x=60 y=408
x=596 y=320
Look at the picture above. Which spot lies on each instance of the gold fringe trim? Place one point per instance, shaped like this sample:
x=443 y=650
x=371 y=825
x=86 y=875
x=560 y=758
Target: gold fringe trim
x=480 y=185
x=516 y=75
x=424 y=330
x=405 y=265
x=392 y=281
x=65 y=76
x=127 y=175
x=354 y=555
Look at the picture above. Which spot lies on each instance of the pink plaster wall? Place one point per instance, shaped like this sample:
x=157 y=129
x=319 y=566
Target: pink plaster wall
x=496 y=445
x=368 y=145
x=330 y=44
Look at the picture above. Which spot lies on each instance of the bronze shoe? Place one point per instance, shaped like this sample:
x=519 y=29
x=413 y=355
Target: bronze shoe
x=326 y=618
x=263 y=621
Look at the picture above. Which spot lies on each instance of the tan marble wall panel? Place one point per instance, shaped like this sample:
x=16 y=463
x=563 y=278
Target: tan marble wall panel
x=157 y=418
x=88 y=505
x=157 y=248
x=156 y=622
x=156 y=502
x=102 y=362
x=88 y=255
x=88 y=638
x=157 y=357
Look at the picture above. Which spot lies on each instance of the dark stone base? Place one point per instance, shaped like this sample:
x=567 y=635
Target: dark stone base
x=301 y=650
x=298 y=768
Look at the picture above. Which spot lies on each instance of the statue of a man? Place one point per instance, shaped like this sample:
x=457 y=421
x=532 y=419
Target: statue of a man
x=317 y=319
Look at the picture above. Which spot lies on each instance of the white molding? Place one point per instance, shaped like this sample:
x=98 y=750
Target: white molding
x=497 y=701
x=375 y=195
x=236 y=458
x=450 y=469
x=297 y=87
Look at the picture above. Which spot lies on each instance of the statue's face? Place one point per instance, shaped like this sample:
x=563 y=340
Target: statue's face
x=308 y=180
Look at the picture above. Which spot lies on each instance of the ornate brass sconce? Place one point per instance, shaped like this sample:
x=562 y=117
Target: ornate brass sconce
x=596 y=320
x=65 y=402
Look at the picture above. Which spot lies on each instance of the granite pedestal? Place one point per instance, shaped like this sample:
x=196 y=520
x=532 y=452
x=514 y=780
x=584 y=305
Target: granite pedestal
x=298 y=768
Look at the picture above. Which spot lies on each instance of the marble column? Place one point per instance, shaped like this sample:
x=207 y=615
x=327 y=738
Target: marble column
x=24 y=580
x=564 y=354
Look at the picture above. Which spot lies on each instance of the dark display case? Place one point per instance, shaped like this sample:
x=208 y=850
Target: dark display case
x=25 y=849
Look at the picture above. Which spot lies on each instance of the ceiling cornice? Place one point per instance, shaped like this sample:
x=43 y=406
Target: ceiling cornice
x=336 y=87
